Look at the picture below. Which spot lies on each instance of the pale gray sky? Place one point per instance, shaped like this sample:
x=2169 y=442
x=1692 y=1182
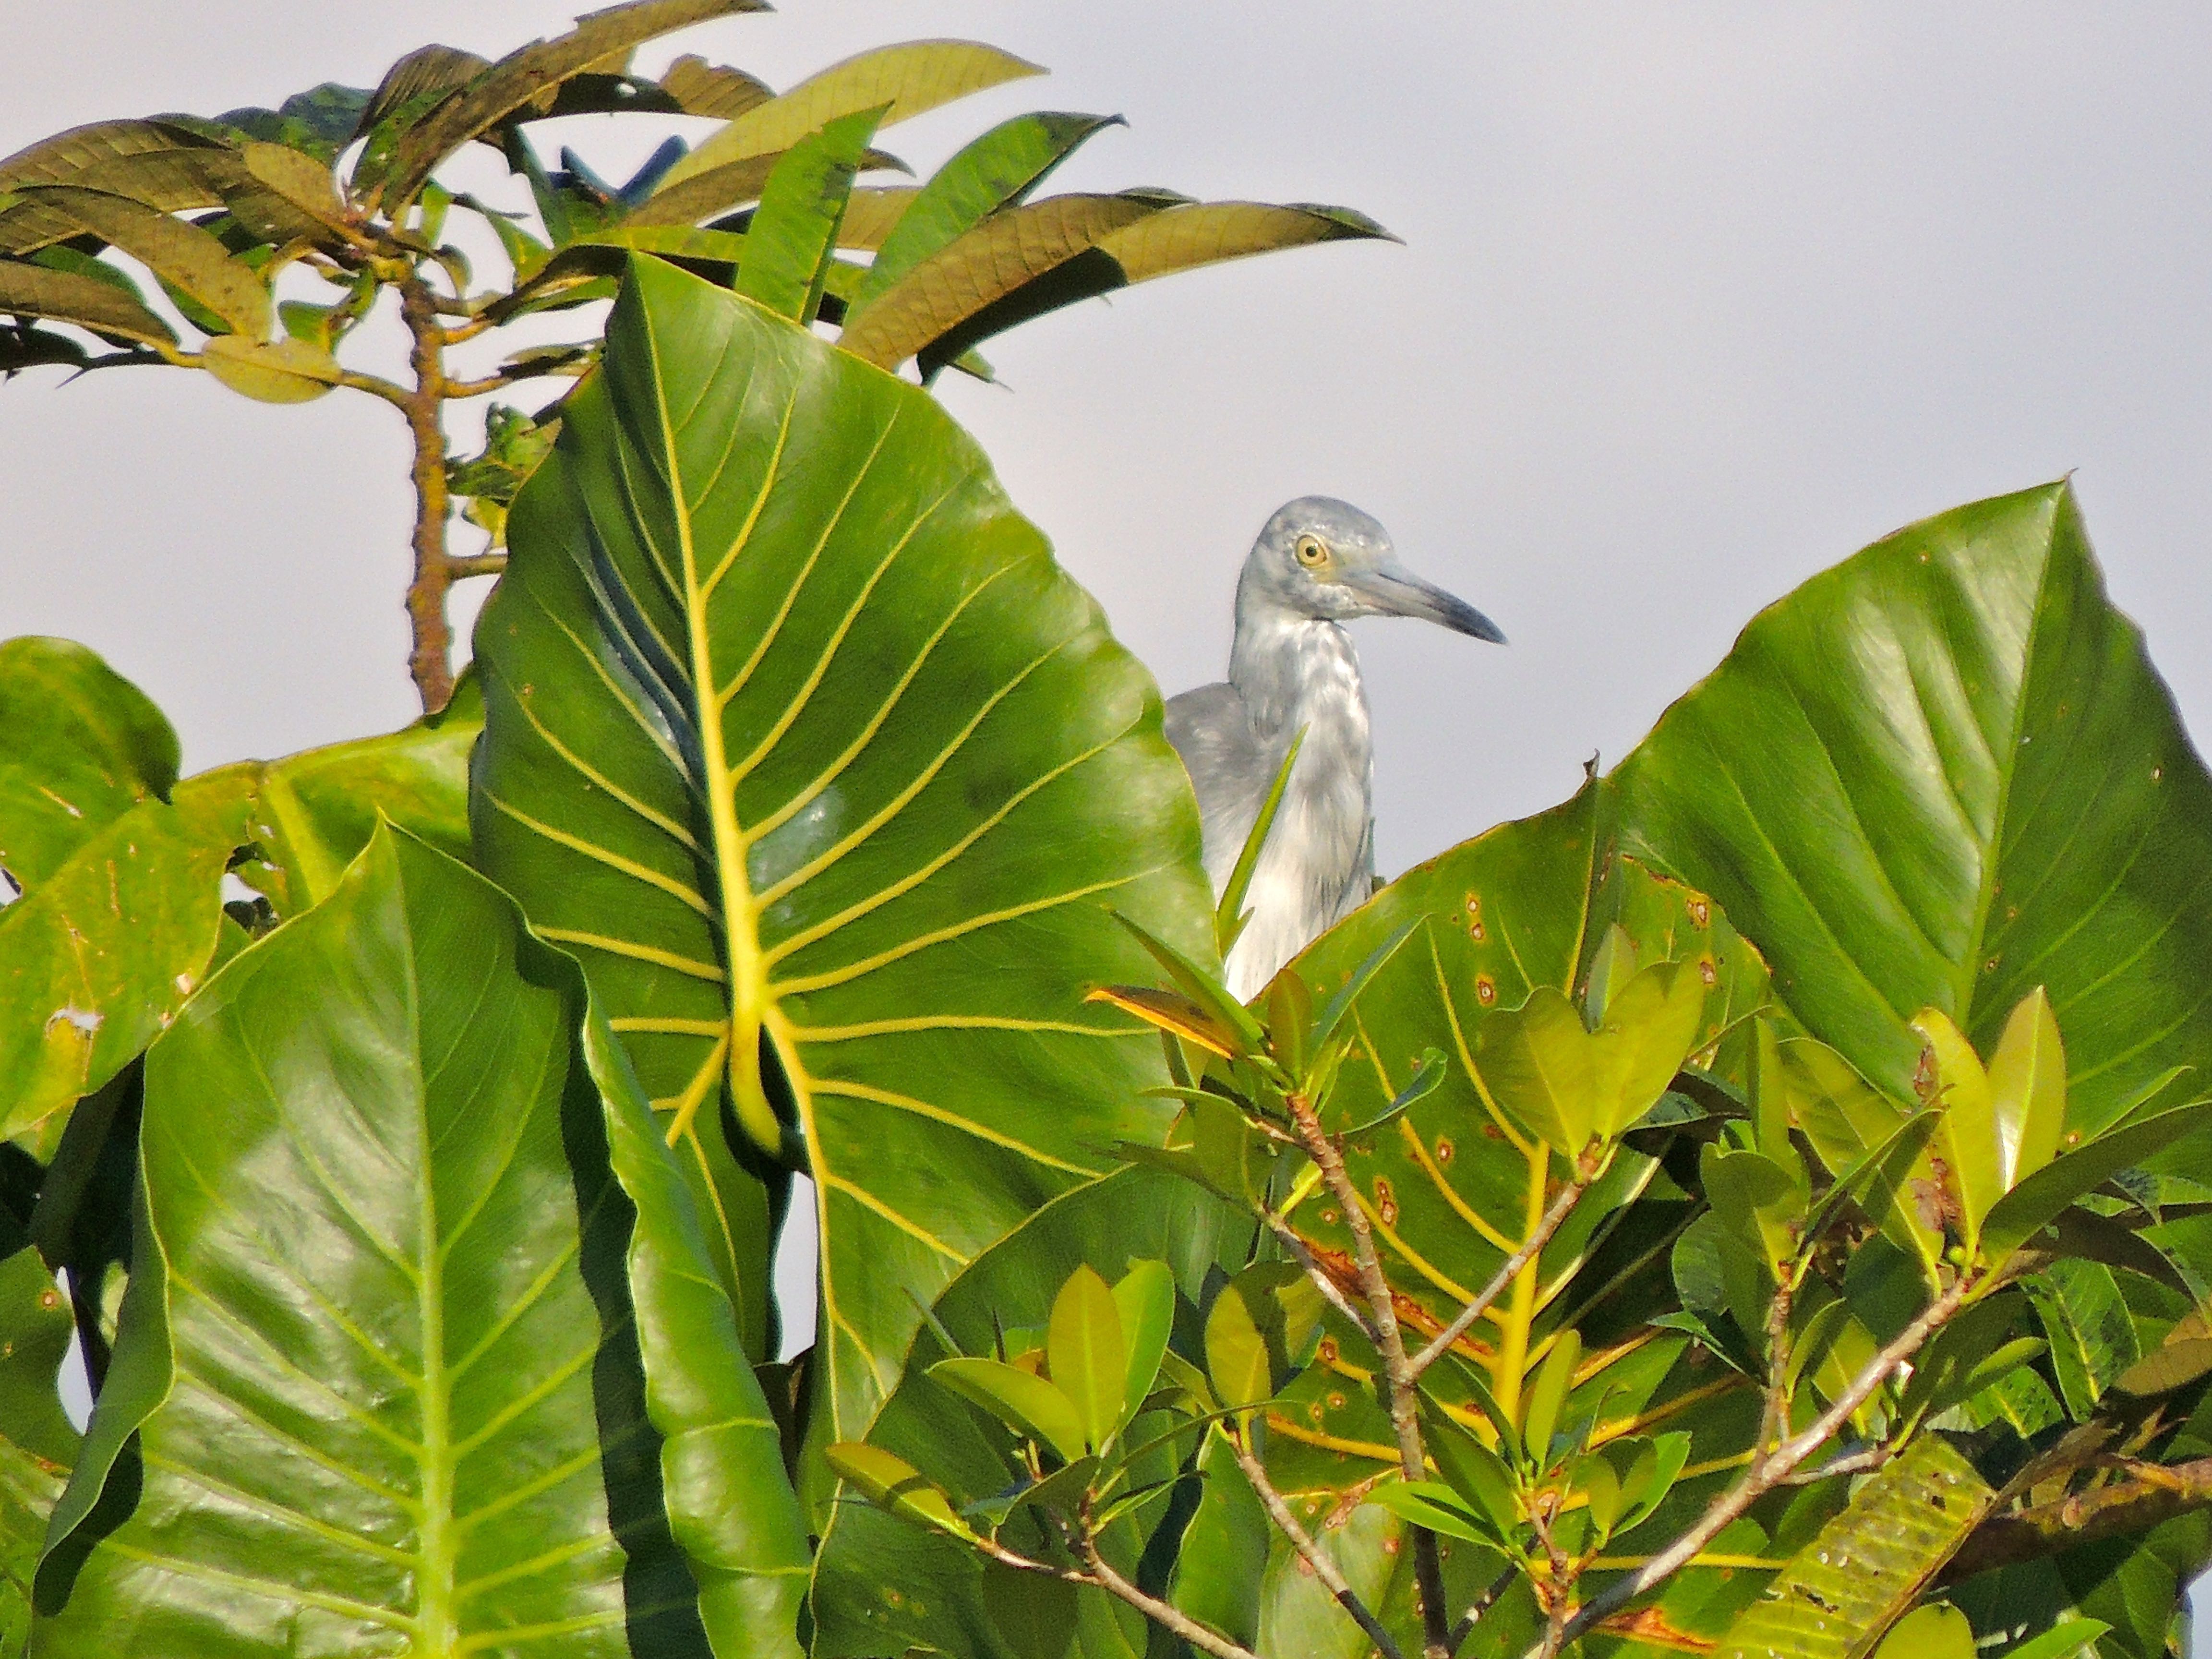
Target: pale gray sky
x=1696 y=299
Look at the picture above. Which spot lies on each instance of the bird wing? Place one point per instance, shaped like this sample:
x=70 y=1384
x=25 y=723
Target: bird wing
x=1229 y=765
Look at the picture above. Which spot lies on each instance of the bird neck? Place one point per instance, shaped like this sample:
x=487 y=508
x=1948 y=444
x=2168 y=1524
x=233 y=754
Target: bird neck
x=1295 y=671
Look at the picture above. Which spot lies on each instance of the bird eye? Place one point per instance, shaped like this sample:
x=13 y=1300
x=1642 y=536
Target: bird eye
x=1312 y=551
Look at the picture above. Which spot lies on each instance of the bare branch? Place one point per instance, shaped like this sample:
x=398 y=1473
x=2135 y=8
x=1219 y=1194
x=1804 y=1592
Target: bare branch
x=1169 y=1618
x=2146 y=1495
x=1389 y=1340
x=1301 y=1540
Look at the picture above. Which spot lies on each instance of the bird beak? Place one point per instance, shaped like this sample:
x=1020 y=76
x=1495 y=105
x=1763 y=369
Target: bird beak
x=1396 y=591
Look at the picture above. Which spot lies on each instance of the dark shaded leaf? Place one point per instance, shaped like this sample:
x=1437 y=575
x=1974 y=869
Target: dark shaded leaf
x=175 y=250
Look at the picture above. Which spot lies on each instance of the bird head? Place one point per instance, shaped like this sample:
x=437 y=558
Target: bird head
x=1324 y=559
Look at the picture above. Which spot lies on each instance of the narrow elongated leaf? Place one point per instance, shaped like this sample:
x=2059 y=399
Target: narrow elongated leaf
x=496 y=1458
x=1002 y=167
x=84 y=746
x=1940 y=774
x=174 y=249
x=61 y=296
x=2028 y=1089
x=496 y=93
x=1206 y=233
x=1145 y=1298
x=910 y=78
x=2044 y=1196
x=1004 y=253
x=794 y=233
x=1842 y=1591
x=66 y=157
x=796 y=735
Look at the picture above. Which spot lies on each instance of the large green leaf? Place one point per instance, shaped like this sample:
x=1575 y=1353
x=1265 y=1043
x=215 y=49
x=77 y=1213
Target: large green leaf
x=798 y=737
x=421 y=1353
x=84 y=746
x=1940 y=774
x=37 y=1444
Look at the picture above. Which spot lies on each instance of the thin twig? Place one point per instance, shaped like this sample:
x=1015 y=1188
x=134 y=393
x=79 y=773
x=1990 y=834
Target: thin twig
x=1464 y=1626
x=1301 y=1540
x=1170 y=1618
x=1858 y=1463
x=1440 y=1345
x=1389 y=1340
x=1767 y=1471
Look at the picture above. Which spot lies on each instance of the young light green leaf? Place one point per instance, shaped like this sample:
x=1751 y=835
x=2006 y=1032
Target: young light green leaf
x=1548 y=1394
x=1087 y=1355
x=1023 y=1402
x=1611 y=966
x=1935 y=1631
x=1652 y=1476
x=1145 y=1298
x=888 y=1480
x=289 y=372
x=1602 y=1491
x=1536 y=1063
x=1756 y=1199
x=1650 y=1025
x=1959 y=1087
x=2027 y=1090
x=793 y=238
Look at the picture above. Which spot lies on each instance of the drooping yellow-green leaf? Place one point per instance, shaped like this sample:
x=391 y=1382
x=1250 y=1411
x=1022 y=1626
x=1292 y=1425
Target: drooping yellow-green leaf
x=174 y=249
x=63 y=296
x=1005 y=252
x=797 y=736
x=290 y=371
x=910 y=78
x=522 y=76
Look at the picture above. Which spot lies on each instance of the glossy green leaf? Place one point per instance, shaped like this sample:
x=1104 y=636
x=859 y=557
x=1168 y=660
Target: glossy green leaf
x=1967 y=1132
x=793 y=236
x=2044 y=1196
x=1477 y=1473
x=1868 y=1564
x=1024 y=1401
x=37 y=1444
x=1548 y=1393
x=496 y=93
x=1087 y=1355
x=797 y=736
x=528 y=1329
x=1000 y=167
x=1757 y=1200
x=174 y=249
x=1935 y=1631
x=910 y=78
x=1860 y=1133
x=1940 y=774
x=1220 y=1570
x=59 y=296
x=1222 y=1012
x=1034 y=1614
x=1144 y=1300
x=84 y=746
x=2064 y=1641
x=2028 y=1089
x=1244 y=1353
x=1430 y=1504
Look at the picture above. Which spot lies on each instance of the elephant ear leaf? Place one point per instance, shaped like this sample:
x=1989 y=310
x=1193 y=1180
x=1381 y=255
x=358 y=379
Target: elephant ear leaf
x=1940 y=775
x=795 y=734
x=530 y=1331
